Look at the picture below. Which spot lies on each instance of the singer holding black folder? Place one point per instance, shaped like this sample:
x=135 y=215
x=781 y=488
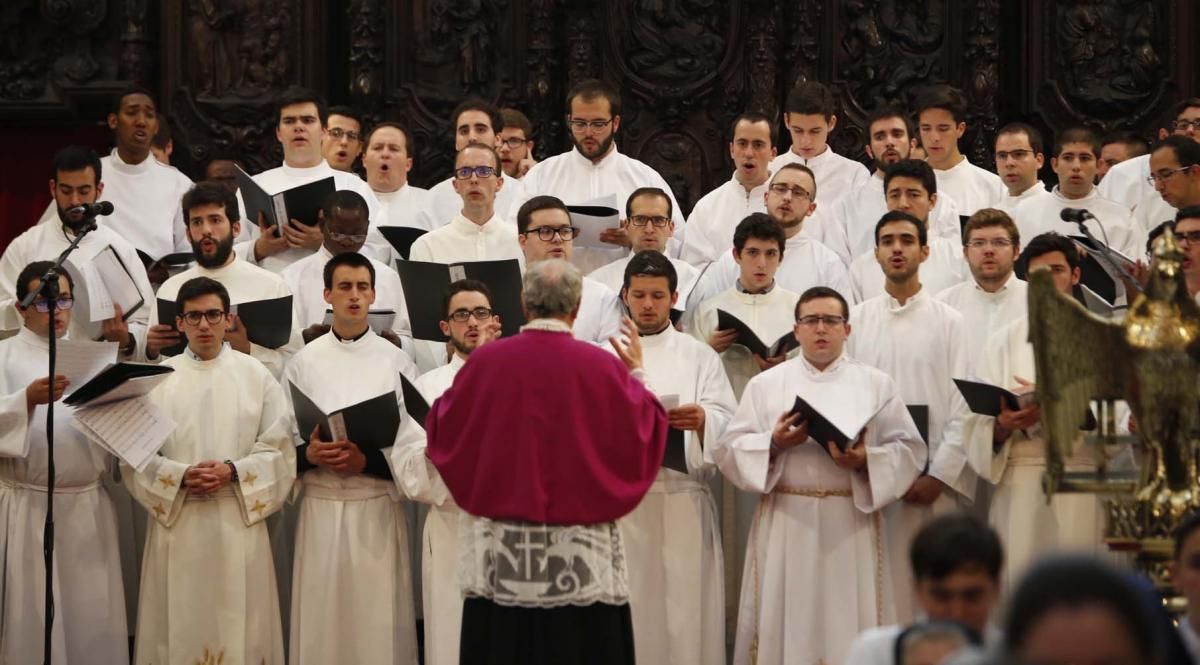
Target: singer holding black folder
x=812 y=579
x=348 y=498
x=89 y=626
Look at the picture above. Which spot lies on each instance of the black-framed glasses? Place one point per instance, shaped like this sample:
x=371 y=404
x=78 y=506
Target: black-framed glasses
x=657 y=220
x=1165 y=175
x=547 y=233
x=814 y=320
x=1185 y=125
x=784 y=189
x=1017 y=155
x=213 y=316
x=462 y=173
x=63 y=303
x=481 y=314
x=514 y=142
x=1190 y=237
x=581 y=125
x=338 y=134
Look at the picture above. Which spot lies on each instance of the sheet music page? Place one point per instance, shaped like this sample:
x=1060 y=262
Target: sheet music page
x=117 y=281
x=138 y=386
x=80 y=361
x=132 y=429
x=590 y=227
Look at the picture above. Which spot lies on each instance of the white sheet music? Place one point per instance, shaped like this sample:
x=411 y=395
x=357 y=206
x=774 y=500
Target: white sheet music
x=669 y=401
x=79 y=361
x=591 y=227
x=122 y=290
x=132 y=429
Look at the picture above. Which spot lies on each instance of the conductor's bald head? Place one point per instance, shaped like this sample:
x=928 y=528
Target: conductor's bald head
x=551 y=289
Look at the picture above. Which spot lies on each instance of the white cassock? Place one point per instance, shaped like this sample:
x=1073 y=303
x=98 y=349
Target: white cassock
x=1029 y=527
x=1113 y=224
x=89 y=599
x=769 y=315
x=145 y=198
x=1151 y=211
x=971 y=187
x=575 y=179
x=806 y=263
x=984 y=313
x=815 y=574
x=464 y=240
x=836 y=176
x=283 y=178
x=444 y=203
x=944 y=268
x=1009 y=203
x=922 y=346
x=245 y=283
x=600 y=313
x=45 y=242
x=305 y=280
x=402 y=207
x=850 y=231
x=208 y=583
x=712 y=222
x=672 y=539
x=418 y=479
x=1126 y=183
x=877 y=646
x=352 y=597
x=613 y=274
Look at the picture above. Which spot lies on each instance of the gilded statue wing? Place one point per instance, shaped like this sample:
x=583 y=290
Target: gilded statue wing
x=1079 y=357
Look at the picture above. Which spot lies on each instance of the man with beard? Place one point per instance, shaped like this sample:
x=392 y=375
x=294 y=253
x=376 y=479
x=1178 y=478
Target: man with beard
x=387 y=161
x=301 y=116
x=469 y=323
x=1018 y=160
x=212 y=223
x=911 y=187
x=144 y=192
x=342 y=142
x=344 y=225
x=921 y=343
x=474 y=121
x=941 y=117
x=851 y=227
x=76 y=181
x=595 y=168
x=710 y=226
x=649 y=225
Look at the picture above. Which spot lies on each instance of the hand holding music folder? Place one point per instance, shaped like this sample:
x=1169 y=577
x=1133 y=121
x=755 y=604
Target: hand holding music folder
x=840 y=426
x=425 y=286
x=268 y=322
x=984 y=398
x=368 y=424
x=593 y=218
x=302 y=203
x=749 y=339
x=118 y=381
x=401 y=238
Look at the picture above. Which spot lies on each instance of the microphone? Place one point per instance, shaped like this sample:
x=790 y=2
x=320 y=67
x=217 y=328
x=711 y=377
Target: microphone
x=93 y=209
x=1076 y=215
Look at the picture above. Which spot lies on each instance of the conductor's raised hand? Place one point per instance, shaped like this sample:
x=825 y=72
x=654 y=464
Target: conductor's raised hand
x=630 y=351
x=490 y=331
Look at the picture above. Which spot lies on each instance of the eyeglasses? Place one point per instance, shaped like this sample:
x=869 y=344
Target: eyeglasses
x=642 y=220
x=480 y=314
x=213 y=316
x=580 y=125
x=995 y=243
x=1163 y=176
x=338 y=134
x=1185 y=125
x=547 y=233
x=1190 y=237
x=1016 y=155
x=43 y=306
x=815 y=320
x=783 y=189
x=514 y=142
x=467 y=171
x=347 y=237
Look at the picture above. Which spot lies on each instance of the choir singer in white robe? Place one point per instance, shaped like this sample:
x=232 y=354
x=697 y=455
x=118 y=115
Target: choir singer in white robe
x=208 y=584
x=347 y=607
x=941 y=119
x=89 y=622
x=672 y=539
x=1018 y=159
x=1128 y=183
x=387 y=160
x=815 y=575
x=650 y=227
x=921 y=343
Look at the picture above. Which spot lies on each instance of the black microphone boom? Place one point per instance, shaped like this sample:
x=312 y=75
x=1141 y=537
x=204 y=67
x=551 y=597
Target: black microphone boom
x=94 y=209
x=1075 y=215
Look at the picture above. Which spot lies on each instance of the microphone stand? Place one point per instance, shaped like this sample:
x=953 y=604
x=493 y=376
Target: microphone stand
x=1104 y=255
x=49 y=291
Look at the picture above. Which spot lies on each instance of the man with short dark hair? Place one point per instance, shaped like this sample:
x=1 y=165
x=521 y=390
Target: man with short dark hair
x=515 y=144
x=1018 y=159
x=941 y=117
x=955 y=561
x=710 y=226
x=208 y=584
x=1075 y=153
x=812 y=577
x=342 y=142
x=349 y=496
x=387 y=159
x=1187 y=234
x=672 y=539
x=1119 y=147
x=648 y=221
x=595 y=169
x=89 y=626
x=1175 y=171
x=1128 y=183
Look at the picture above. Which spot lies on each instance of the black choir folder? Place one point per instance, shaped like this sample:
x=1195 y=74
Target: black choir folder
x=425 y=286
x=401 y=238
x=169 y=261
x=118 y=381
x=674 y=455
x=299 y=203
x=984 y=398
x=920 y=416
x=414 y=401
x=823 y=428
x=268 y=322
x=369 y=424
x=747 y=337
